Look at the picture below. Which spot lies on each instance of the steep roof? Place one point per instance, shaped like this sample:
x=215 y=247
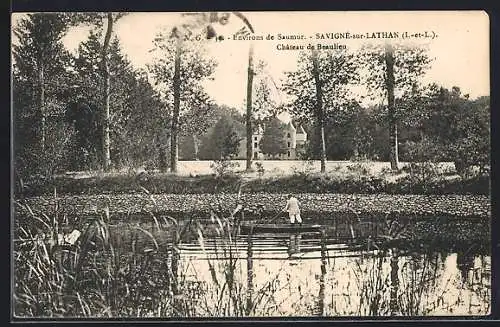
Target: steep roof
x=290 y=125
x=301 y=130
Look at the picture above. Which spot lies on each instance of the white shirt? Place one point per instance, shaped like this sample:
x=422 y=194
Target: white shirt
x=292 y=206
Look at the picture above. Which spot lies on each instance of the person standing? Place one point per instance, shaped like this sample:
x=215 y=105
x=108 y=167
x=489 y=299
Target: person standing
x=292 y=207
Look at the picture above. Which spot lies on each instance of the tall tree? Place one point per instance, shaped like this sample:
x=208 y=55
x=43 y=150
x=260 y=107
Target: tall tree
x=318 y=86
x=97 y=20
x=393 y=69
x=40 y=79
x=226 y=138
x=391 y=111
x=89 y=80
x=40 y=57
x=106 y=157
x=180 y=69
x=195 y=22
x=320 y=114
x=250 y=74
x=174 y=148
x=273 y=140
x=266 y=103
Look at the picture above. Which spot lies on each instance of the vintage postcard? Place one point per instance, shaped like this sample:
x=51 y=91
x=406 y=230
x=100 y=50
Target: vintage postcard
x=251 y=164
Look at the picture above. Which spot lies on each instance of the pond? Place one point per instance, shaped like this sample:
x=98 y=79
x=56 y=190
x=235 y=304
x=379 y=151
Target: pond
x=297 y=276
x=163 y=269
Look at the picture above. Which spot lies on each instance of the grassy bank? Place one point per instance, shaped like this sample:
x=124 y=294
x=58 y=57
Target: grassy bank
x=349 y=183
x=262 y=204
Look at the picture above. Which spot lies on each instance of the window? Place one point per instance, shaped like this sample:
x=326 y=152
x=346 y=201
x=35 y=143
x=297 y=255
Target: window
x=255 y=138
x=288 y=135
x=255 y=145
x=288 y=144
x=255 y=155
x=288 y=154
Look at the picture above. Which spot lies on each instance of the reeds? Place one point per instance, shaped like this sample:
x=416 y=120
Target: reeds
x=230 y=291
x=99 y=276
x=121 y=269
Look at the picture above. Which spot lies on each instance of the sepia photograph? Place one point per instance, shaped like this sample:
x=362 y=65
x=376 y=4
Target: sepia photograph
x=193 y=165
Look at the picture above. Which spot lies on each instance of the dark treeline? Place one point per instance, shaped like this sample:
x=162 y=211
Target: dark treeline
x=65 y=106
x=445 y=125
x=58 y=102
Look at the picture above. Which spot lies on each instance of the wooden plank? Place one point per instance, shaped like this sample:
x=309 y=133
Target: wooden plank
x=277 y=228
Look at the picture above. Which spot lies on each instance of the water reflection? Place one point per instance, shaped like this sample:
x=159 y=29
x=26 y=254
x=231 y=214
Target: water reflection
x=294 y=244
x=297 y=275
x=304 y=274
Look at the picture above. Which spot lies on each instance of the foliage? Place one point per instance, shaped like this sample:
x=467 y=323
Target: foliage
x=273 y=140
x=420 y=181
x=337 y=70
x=40 y=78
x=226 y=139
x=39 y=46
x=223 y=167
x=266 y=102
x=143 y=134
x=466 y=136
x=97 y=276
x=97 y=19
x=446 y=126
x=410 y=63
x=89 y=81
x=306 y=168
x=136 y=107
x=260 y=168
x=194 y=105
x=394 y=71
x=227 y=124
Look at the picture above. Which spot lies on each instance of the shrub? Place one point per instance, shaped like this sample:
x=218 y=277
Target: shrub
x=422 y=172
x=305 y=168
x=260 y=168
x=223 y=167
x=358 y=169
x=421 y=180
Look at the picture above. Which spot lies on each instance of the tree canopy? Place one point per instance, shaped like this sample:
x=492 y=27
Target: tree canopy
x=273 y=140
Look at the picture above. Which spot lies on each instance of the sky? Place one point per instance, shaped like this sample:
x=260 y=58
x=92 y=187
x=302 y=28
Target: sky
x=460 y=51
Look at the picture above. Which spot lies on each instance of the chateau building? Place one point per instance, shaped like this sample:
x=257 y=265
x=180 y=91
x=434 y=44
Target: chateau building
x=295 y=139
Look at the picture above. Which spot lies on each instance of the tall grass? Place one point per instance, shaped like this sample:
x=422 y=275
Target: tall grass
x=105 y=274
x=399 y=282
x=122 y=269
x=230 y=291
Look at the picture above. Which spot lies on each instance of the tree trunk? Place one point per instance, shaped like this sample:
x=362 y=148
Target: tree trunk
x=393 y=126
x=249 y=108
x=106 y=157
x=41 y=105
x=174 y=142
x=394 y=289
x=195 y=146
x=162 y=152
x=319 y=110
x=249 y=293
